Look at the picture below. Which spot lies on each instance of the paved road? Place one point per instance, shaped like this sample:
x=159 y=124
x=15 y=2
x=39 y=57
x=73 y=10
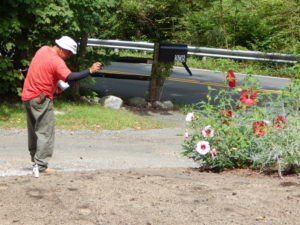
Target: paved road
x=180 y=87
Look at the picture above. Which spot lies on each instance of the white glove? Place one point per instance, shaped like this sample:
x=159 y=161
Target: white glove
x=63 y=85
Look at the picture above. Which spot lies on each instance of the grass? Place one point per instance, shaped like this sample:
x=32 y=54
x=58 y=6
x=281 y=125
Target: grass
x=12 y=115
x=80 y=116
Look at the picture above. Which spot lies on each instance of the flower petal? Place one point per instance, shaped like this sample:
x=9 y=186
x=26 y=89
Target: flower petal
x=203 y=147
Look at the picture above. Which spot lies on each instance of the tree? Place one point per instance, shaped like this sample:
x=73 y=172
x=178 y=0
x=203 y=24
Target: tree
x=27 y=25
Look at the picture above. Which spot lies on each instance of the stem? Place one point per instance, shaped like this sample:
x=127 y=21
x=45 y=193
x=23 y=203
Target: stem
x=279 y=168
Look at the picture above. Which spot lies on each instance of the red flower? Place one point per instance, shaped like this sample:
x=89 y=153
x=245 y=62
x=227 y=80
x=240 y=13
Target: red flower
x=227 y=113
x=231 y=79
x=280 y=121
x=248 y=98
x=259 y=128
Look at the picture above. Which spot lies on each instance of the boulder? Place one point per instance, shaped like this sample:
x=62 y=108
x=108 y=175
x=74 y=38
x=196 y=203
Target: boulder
x=137 y=102
x=90 y=99
x=111 y=101
x=166 y=105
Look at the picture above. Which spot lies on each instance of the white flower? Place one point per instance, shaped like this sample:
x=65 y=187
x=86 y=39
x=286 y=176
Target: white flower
x=203 y=147
x=190 y=116
x=208 y=131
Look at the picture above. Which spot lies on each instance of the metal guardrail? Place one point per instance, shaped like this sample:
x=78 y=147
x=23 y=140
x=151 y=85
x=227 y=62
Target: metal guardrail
x=199 y=51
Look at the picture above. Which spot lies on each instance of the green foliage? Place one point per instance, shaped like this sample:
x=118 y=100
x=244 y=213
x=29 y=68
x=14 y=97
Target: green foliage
x=246 y=136
x=163 y=69
x=263 y=25
x=150 y=20
x=10 y=79
x=27 y=25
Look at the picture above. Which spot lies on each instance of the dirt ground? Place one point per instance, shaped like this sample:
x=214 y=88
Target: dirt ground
x=150 y=196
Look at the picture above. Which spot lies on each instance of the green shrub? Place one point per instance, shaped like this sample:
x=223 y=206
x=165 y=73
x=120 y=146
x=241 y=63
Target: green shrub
x=10 y=78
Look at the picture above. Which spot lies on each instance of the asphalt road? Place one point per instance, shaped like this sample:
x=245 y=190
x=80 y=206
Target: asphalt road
x=180 y=86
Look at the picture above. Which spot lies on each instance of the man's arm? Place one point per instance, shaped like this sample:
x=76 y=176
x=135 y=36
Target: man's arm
x=73 y=76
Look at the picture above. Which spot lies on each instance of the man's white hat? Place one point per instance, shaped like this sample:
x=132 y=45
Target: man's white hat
x=67 y=43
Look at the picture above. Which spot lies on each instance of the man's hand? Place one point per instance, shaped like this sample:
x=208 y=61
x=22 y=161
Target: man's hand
x=96 y=67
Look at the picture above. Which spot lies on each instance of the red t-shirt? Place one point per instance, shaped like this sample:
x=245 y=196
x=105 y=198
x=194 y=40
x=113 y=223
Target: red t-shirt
x=46 y=68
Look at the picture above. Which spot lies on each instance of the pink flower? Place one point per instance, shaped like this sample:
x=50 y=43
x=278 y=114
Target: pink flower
x=231 y=79
x=248 y=98
x=213 y=153
x=208 y=131
x=190 y=116
x=203 y=147
x=186 y=134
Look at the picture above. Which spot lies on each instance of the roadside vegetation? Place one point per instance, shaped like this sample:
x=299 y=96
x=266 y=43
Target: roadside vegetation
x=80 y=116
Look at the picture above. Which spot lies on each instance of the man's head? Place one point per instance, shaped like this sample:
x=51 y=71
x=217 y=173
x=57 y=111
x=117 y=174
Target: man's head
x=68 y=44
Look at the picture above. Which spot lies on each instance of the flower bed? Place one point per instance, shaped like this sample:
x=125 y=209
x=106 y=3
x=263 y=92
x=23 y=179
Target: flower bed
x=243 y=128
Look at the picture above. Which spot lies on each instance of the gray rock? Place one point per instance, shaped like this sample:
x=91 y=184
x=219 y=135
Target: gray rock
x=137 y=101
x=90 y=100
x=111 y=101
x=166 y=105
x=58 y=112
x=158 y=105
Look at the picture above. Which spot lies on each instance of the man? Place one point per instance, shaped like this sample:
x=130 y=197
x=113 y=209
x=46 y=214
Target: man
x=46 y=69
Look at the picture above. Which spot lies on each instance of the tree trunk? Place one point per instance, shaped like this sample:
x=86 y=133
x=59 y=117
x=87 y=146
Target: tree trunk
x=222 y=24
x=79 y=58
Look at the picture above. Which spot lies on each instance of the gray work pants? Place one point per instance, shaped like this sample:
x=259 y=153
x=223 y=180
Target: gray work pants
x=40 y=125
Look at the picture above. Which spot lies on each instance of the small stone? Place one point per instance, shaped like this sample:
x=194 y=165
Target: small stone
x=260 y=218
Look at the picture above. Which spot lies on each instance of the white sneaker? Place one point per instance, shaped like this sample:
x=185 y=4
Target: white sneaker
x=35 y=171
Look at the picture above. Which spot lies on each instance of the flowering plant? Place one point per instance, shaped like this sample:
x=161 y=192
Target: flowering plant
x=240 y=127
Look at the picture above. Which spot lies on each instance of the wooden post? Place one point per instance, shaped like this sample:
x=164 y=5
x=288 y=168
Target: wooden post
x=156 y=80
